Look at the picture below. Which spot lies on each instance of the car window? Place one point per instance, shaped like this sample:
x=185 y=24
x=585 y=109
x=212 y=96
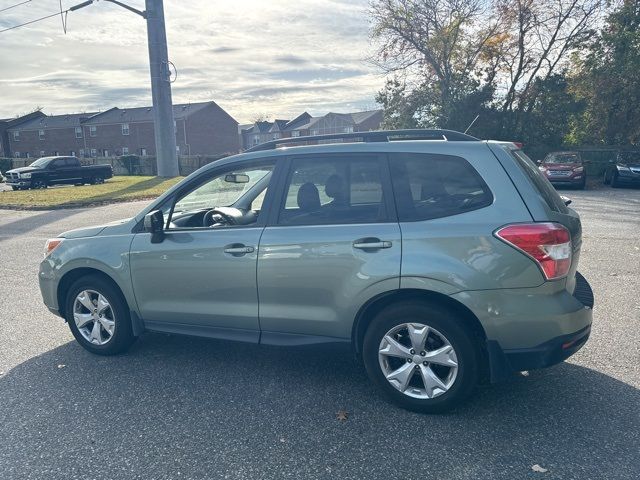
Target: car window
x=333 y=190
x=71 y=162
x=540 y=182
x=432 y=186
x=238 y=191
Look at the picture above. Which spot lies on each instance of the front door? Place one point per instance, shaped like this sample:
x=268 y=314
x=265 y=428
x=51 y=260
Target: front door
x=202 y=277
x=331 y=244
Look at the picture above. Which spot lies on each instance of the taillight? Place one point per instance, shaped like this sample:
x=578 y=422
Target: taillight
x=549 y=244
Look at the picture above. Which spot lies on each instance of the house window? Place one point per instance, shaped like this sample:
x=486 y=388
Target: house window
x=93 y=131
x=41 y=134
x=125 y=150
x=105 y=153
x=28 y=155
x=78 y=132
x=94 y=153
x=348 y=129
x=256 y=140
x=56 y=153
x=82 y=152
x=315 y=132
x=276 y=136
x=16 y=154
x=72 y=153
x=295 y=133
x=42 y=153
x=16 y=136
x=178 y=149
x=143 y=152
x=125 y=129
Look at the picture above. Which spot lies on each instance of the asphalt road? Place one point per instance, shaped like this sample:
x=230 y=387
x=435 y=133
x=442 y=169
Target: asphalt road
x=178 y=407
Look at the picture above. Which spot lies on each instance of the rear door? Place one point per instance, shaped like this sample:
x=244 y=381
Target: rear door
x=332 y=243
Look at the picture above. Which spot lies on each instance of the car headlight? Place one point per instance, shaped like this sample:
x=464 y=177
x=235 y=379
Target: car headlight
x=623 y=168
x=542 y=169
x=578 y=169
x=25 y=175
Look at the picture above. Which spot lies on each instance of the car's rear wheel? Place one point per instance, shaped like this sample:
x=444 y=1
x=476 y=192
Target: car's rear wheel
x=39 y=184
x=614 y=180
x=97 y=180
x=421 y=357
x=15 y=188
x=98 y=316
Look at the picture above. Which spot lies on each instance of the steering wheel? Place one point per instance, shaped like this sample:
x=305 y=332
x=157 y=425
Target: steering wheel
x=213 y=217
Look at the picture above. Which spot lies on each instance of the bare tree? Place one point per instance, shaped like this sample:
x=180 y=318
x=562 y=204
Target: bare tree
x=541 y=34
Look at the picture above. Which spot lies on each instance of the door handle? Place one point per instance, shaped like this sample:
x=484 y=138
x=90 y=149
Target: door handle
x=238 y=249
x=371 y=244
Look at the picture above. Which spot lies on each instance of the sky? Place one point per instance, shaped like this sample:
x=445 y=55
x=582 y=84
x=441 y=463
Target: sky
x=254 y=58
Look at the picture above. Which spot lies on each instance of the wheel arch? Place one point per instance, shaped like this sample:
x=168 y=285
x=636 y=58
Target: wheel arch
x=72 y=275
x=369 y=310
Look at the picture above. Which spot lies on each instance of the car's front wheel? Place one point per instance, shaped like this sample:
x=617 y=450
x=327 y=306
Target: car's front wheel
x=98 y=316
x=421 y=357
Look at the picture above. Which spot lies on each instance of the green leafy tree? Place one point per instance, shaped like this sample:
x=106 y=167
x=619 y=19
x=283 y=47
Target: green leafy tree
x=608 y=79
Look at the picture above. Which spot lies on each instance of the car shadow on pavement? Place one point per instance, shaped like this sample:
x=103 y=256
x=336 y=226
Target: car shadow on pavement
x=179 y=404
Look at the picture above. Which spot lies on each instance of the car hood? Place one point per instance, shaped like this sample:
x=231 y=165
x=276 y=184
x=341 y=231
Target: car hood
x=112 y=228
x=561 y=166
x=23 y=170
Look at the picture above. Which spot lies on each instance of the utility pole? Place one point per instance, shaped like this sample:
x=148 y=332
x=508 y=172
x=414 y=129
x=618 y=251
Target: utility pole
x=163 y=126
x=166 y=155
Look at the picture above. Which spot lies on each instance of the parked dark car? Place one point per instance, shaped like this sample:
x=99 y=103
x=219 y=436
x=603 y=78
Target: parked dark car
x=564 y=169
x=56 y=171
x=623 y=170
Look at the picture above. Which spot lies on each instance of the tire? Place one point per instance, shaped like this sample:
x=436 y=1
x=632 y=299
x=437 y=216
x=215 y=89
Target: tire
x=121 y=336
x=614 y=180
x=39 y=184
x=583 y=185
x=443 y=324
x=78 y=184
x=15 y=188
x=97 y=180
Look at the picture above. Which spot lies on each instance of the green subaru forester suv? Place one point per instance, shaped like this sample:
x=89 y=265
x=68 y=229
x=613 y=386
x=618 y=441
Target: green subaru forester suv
x=442 y=260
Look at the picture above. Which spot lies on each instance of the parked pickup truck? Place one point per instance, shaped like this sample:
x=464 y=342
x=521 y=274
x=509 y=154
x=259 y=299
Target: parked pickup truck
x=55 y=171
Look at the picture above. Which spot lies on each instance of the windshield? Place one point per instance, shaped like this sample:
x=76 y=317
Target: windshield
x=563 y=158
x=628 y=158
x=222 y=191
x=42 y=162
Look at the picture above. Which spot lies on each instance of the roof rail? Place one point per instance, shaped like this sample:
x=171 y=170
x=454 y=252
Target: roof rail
x=373 y=136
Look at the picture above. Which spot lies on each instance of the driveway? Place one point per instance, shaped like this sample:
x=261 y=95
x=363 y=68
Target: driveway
x=178 y=407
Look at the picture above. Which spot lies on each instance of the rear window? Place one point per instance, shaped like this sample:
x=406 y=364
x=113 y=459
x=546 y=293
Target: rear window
x=542 y=185
x=428 y=186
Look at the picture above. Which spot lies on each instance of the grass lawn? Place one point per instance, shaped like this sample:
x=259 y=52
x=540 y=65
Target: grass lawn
x=116 y=189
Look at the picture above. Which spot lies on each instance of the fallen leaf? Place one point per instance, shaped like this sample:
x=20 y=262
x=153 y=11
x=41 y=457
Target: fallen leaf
x=342 y=415
x=538 y=468
x=62 y=365
x=524 y=373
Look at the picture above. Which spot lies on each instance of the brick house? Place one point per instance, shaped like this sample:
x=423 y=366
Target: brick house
x=201 y=129
x=5 y=124
x=305 y=124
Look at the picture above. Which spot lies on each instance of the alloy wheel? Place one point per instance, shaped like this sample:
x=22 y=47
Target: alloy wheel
x=94 y=317
x=418 y=360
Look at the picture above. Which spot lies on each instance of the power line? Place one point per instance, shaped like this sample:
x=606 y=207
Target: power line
x=61 y=12
x=14 y=6
x=33 y=21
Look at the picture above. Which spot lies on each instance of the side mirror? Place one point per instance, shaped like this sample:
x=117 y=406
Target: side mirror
x=539 y=162
x=154 y=224
x=566 y=200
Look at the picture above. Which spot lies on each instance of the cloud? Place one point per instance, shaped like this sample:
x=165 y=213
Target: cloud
x=250 y=56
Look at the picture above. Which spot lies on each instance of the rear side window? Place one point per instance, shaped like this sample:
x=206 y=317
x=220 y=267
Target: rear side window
x=428 y=186
x=542 y=185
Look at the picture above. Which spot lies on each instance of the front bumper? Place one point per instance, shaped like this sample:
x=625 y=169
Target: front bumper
x=19 y=183
x=562 y=180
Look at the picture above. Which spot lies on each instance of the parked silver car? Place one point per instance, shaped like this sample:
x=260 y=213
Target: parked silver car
x=443 y=260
